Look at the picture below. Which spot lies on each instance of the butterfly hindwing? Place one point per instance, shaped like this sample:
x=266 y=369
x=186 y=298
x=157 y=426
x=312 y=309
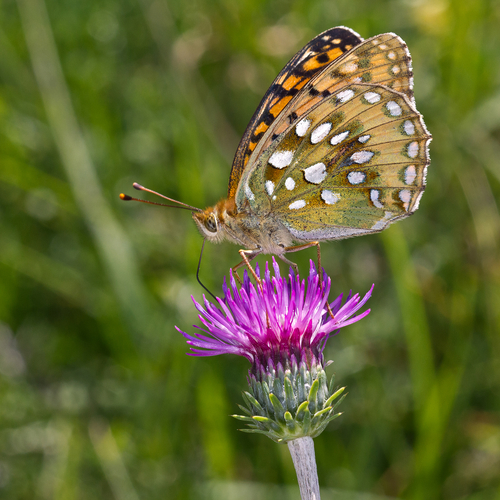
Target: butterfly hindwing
x=308 y=62
x=352 y=165
x=348 y=154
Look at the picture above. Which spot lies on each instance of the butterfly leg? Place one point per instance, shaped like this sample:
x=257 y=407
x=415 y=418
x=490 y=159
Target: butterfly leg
x=297 y=248
x=290 y=263
x=247 y=256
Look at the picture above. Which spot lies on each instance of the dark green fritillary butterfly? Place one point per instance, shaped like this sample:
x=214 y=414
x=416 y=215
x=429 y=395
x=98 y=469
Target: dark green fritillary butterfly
x=336 y=149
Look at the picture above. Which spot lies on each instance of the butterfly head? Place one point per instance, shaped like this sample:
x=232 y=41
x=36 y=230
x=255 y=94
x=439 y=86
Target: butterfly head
x=209 y=224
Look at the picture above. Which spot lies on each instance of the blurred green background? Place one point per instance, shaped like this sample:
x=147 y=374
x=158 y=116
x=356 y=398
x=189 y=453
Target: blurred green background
x=97 y=397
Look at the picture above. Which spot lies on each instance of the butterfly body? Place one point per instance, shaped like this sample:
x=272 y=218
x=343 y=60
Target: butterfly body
x=336 y=149
x=258 y=232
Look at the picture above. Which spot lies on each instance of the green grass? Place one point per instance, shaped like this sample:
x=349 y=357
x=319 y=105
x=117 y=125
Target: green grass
x=97 y=396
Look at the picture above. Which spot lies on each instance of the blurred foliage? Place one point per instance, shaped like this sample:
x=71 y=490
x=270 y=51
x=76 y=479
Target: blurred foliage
x=98 y=399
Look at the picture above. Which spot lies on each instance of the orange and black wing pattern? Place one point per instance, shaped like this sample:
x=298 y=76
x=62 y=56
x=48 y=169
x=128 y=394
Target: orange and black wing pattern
x=307 y=63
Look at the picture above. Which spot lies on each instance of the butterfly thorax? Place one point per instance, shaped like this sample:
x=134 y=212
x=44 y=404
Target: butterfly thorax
x=262 y=233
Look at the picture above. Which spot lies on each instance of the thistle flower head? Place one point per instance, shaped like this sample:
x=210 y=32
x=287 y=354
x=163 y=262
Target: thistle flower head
x=281 y=317
x=281 y=327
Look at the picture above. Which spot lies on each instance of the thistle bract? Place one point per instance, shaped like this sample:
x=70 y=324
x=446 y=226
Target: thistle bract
x=281 y=326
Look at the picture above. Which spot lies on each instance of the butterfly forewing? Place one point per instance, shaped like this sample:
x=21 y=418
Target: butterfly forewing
x=352 y=165
x=308 y=62
x=381 y=60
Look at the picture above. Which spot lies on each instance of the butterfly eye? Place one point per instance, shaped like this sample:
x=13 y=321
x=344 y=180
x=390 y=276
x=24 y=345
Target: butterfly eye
x=211 y=224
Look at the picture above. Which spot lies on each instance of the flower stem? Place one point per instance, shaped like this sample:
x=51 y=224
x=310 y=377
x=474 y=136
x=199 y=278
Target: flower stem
x=302 y=451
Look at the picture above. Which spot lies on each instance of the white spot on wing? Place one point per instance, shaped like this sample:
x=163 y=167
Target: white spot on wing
x=345 y=95
x=248 y=193
x=289 y=183
x=350 y=67
x=337 y=139
x=374 y=194
x=394 y=108
x=297 y=204
x=391 y=55
x=409 y=128
x=361 y=156
x=410 y=174
x=382 y=46
x=302 y=127
x=364 y=138
x=329 y=197
x=320 y=132
x=315 y=173
x=413 y=149
x=356 y=177
x=405 y=197
x=281 y=159
x=372 y=97
x=269 y=187
x=395 y=69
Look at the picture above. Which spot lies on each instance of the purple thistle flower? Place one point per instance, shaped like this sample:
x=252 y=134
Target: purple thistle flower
x=281 y=327
x=279 y=318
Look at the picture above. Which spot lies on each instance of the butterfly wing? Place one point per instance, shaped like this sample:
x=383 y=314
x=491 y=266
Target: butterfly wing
x=354 y=160
x=381 y=60
x=308 y=62
x=358 y=168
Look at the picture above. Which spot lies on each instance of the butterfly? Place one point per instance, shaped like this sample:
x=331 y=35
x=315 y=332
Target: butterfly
x=336 y=149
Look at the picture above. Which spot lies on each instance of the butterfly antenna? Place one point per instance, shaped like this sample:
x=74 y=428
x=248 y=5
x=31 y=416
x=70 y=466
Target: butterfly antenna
x=178 y=204
x=198 y=272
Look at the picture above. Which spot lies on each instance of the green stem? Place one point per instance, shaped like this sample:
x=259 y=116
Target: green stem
x=302 y=451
